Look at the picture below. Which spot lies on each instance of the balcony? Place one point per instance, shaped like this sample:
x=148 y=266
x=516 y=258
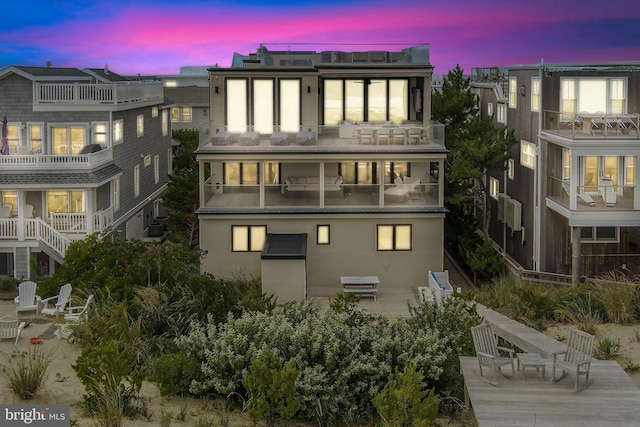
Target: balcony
x=29 y=162
x=362 y=137
x=594 y=127
x=96 y=97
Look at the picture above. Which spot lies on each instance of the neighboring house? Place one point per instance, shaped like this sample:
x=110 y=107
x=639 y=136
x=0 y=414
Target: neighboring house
x=321 y=165
x=568 y=202
x=188 y=106
x=89 y=151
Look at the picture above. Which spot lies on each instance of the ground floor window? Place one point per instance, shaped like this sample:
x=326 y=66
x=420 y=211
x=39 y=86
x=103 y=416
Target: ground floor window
x=10 y=198
x=394 y=237
x=599 y=234
x=248 y=238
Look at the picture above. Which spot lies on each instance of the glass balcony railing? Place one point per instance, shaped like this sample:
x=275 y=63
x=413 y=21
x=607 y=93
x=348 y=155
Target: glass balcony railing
x=592 y=125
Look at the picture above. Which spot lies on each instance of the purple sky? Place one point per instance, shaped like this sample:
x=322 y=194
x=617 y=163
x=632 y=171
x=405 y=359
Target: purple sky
x=158 y=37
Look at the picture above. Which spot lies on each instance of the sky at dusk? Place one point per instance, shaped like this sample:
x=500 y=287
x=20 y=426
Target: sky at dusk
x=160 y=36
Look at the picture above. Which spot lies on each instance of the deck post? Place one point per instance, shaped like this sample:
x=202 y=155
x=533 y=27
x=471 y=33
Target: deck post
x=575 y=254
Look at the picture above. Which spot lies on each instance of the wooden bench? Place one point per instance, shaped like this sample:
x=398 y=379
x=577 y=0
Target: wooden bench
x=361 y=285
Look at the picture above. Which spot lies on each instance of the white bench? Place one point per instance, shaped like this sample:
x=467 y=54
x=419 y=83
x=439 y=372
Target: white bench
x=361 y=285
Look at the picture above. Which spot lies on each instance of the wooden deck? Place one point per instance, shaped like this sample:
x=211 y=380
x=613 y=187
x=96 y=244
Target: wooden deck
x=612 y=399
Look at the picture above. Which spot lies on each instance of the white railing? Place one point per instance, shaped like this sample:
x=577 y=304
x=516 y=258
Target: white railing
x=95 y=94
x=77 y=222
x=29 y=161
x=34 y=229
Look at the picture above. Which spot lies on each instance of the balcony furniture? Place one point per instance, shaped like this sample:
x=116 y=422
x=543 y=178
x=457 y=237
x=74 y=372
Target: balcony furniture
x=29 y=211
x=279 y=138
x=585 y=197
x=533 y=360
x=301 y=186
x=383 y=135
x=5 y=211
x=360 y=285
x=62 y=299
x=608 y=192
x=576 y=358
x=91 y=148
x=27 y=300
x=222 y=138
x=366 y=136
x=489 y=353
x=249 y=138
x=305 y=138
x=599 y=123
x=414 y=135
x=399 y=135
x=10 y=327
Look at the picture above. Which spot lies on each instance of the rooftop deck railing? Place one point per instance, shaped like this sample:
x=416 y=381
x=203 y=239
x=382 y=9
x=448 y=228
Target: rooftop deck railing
x=592 y=126
x=96 y=94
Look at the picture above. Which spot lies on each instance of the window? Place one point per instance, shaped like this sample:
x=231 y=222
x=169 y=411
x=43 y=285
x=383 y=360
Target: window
x=566 y=164
x=513 y=91
x=156 y=168
x=502 y=114
x=169 y=160
x=13 y=134
x=248 y=238
x=394 y=238
x=10 y=198
x=240 y=173
x=290 y=113
x=323 y=233
x=599 y=235
x=527 y=154
x=629 y=170
x=115 y=193
x=99 y=134
x=494 y=187
x=591 y=95
x=165 y=123
x=136 y=181
x=535 y=93
x=67 y=139
x=154 y=111
x=65 y=201
x=236 y=93
x=175 y=114
x=186 y=114
x=117 y=132
x=263 y=109
x=511 y=169
x=34 y=137
x=146 y=161
x=140 y=125
x=490 y=109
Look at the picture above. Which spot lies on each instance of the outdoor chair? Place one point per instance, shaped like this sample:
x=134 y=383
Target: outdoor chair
x=62 y=299
x=490 y=354
x=27 y=300
x=576 y=358
x=75 y=315
x=10 y=327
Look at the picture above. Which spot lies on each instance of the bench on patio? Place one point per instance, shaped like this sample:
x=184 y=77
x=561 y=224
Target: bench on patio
x=361 y=285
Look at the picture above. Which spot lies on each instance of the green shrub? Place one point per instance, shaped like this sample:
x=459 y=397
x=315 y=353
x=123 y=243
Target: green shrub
x=26 y=372
x=618 y=300
x=174 y=372
x=608 y=349
x=8 y=284
x=582 y=313
x=404 y=402
x=271 y=387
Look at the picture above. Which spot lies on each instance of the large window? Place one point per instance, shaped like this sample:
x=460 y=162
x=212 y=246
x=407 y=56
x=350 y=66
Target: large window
x=263 y=110
x=366 y=100
x=593 y=95
x=236 y=105
x=535 y=93
x=396 y=237
x=71 y=201
x=599 y=234
x=67 y=139
x=528 y=154
x=513 y=91
x=629 y=170
x=290 y=114
x=248 y=238
x=236 y=173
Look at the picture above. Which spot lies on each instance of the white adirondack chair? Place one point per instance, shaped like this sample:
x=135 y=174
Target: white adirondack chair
x=489 y=353
x=74 y=316
x=62 y=299
x=10 y=327
x=27 y=300
x=576 y=358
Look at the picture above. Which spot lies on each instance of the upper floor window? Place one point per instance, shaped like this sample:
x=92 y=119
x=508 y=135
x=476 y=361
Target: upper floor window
x=511 y=169
x=118 y=131
x=186 y=114
x=290 y=107
x=248 y=238
x=154 y=111
x=593 y=95
x=535 y=93
x=394 y=237
x=566 y=164
x=528 y=154
x=13 y=135
x=175 y=114
x=165 y=122
x=140 y=125
x=115 y=193
x=34 y=136
x=630 y=170
x=136 y=181
x=323 y=232
x=156 y=168
x=263 y=105
x=490 y=109
x=513 y=91
x=240 y=173
x=236 y=103
x=501 y=116
x=99 y=134
x=71 y=201
x=67 y=139
x=494 y=187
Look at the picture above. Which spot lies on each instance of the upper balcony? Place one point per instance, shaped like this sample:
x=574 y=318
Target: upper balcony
x=25 y=162
x=361 y=137
x=592 y=127
x=96 y=97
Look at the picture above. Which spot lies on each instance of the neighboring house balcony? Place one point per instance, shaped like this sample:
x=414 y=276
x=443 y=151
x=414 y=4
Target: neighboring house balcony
x=366 y=136
x=25 y=161
x=96 y=97
x=592 y=127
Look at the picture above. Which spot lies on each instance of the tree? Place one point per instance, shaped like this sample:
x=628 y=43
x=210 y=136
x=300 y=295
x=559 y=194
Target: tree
x=182 y=199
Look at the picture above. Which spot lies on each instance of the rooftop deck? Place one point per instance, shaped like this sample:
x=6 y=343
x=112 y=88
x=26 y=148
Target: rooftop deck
x=592 y=127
